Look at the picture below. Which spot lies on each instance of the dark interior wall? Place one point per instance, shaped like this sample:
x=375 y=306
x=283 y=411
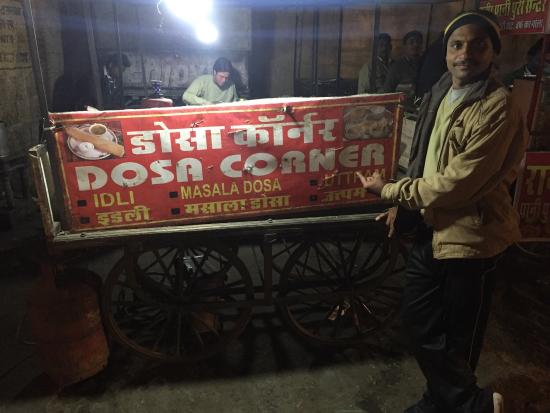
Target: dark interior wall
x=356 y=37
x=397 y=20
x=276 y=33
x=73 y=36
x=514 y=52
x=76 y=62
x=441 y=14
x=357 y=40
x=262 y=65
x=273 y=35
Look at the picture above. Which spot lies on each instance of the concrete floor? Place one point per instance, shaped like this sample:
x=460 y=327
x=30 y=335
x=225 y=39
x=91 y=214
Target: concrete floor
x=268 y=370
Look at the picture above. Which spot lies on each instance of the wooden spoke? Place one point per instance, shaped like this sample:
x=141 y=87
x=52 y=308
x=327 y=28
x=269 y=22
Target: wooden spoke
x=156 y=313
x=340 y=291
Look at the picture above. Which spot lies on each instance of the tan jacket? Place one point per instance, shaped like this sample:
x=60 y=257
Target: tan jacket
x=468 y=202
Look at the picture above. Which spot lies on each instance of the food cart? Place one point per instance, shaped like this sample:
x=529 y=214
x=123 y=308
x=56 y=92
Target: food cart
x=190 y=193
x=186 y=191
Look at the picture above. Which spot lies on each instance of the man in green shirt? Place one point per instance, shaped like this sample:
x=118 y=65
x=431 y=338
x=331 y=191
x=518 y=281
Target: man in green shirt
x=215 y=88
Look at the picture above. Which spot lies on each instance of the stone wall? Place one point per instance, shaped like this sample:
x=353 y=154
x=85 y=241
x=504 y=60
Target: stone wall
x=19 y=106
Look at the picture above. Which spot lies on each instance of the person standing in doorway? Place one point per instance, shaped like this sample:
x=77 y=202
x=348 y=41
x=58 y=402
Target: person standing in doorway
x=111 y=81
x=367 y=83
x=466 y=151
x=402 y=74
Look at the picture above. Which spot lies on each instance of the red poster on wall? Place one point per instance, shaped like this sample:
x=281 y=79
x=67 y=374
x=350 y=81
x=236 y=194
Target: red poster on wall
x=533 y=197
x=168 y=166
x=519 y=16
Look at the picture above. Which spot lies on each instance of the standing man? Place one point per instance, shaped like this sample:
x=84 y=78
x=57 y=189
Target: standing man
x=383 y=61
x=466 y=151
x=83 y=92
x=215 y=88
x=111 y=81
x=402 y=74
x=531 y=68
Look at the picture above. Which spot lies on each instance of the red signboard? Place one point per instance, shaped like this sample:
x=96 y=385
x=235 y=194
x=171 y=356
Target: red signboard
x=533 y=197
x=518 y=16
x=169 y=166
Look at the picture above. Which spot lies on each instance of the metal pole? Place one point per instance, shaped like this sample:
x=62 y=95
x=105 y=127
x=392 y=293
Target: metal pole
x=312 y=92
x=35 y=58
x=428 y=31
x=92 y=51
x=140 y=51
x=57 y=200
x=295 y=71
x=374 y=55
x=301 y=45
x=120 y=83
x=339 y=62
x=534 y=105
x=316 y=55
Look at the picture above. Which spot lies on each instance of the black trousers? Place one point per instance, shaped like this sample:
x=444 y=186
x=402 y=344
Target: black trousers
x=445 y=310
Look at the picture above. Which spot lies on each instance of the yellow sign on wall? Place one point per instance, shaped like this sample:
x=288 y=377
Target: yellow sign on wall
x=14 y=46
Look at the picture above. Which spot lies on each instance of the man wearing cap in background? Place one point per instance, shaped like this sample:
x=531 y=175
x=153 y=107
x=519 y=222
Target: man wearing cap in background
x=466 y=150
x=367 y=83
x=402 y=73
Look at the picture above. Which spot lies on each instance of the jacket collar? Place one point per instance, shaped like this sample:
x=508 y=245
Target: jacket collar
x=428 y=113
x=477 y=89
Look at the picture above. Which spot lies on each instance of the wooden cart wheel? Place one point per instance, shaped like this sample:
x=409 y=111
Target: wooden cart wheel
x=178 y=303
x=339 y=292
x=282 y=250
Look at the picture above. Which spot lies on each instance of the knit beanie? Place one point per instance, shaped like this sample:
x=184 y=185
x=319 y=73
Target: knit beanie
x=482 y=18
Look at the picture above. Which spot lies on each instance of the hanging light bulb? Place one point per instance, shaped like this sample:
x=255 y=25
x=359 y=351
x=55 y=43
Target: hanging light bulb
x=206 y=32
x=194 y=12
x=189 y=10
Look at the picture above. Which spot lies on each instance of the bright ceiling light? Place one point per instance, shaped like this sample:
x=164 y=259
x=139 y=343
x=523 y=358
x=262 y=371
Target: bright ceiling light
x=190 y=10
x=206 y=32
